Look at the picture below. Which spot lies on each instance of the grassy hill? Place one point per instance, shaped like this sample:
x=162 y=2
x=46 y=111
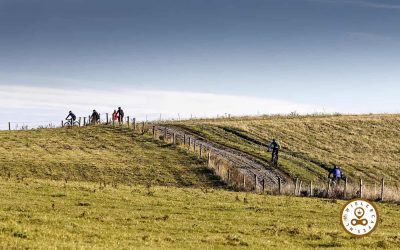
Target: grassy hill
x=99 y=154
x=159 y=196
x=365 y=146
x=40 y=214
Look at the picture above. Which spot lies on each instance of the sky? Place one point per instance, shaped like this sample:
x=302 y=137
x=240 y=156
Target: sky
x=182 y=58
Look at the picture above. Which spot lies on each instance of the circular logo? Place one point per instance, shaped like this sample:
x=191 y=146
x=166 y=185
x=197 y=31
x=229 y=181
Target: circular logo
x=359 y=217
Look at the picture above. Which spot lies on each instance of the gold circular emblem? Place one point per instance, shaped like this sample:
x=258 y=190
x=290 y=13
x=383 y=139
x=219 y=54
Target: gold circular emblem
x=359 y=217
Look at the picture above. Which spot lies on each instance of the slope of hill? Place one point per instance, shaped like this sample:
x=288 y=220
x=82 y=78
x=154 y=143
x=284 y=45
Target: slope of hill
x=366 y=146
x=99 y=154
x=42 y=214
x=151 y=207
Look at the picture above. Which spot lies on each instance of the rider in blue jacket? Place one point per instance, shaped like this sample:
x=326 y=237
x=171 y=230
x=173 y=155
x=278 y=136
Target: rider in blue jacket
x=335 y=173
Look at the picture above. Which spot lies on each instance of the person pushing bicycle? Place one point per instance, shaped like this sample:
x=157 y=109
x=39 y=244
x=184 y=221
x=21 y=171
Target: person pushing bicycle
x=274 y=145
x=120 y=114
x=95 y=117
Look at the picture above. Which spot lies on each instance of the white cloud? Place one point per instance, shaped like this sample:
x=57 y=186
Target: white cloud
x=52 y=104
x=378 y=4
x=373 y=37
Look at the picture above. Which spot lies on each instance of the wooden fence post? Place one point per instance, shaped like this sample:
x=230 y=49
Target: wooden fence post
x=184 y=139
x=127 y=120
x=79 y=121
x=361 y=188
x=134 y=124
x=299 y=189
x=194 y=145
x=228 y=175
x=295 y=186
x=201 y=149
x=279 y=185
x=345 y=188
x=311 y=189
x=173 y=138
x=62 y=125
x=165 y=133
x=255 y=182
x=107 y=118
x=142 y=127
x=382 y=187
x=263 y=185
x=209 y=160
x=244 y=181
x=329 y=187
x=154 y=131
x=190 y=141
x=84 y=121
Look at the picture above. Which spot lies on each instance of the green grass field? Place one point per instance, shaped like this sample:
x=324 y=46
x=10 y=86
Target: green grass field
x=48 y=214
x=365 y=146
x=101 y=187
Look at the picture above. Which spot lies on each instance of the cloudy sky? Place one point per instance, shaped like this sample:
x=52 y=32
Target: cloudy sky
x=198 y=57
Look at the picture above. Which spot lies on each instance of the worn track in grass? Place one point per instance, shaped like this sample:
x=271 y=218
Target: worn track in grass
x=246 y=163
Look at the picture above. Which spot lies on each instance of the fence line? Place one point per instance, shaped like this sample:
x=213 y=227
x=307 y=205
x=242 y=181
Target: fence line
x=233 y=176
x=236 y=176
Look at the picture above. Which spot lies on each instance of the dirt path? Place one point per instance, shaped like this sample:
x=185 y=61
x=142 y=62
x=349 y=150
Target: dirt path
x=246 y=163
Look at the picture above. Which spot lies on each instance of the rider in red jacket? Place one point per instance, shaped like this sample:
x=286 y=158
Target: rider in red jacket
x=115 y=115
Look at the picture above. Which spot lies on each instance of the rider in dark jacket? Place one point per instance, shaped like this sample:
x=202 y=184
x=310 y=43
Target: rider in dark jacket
x=120 y=114
x=71 y=115
x=95 y=117
x=275 y=149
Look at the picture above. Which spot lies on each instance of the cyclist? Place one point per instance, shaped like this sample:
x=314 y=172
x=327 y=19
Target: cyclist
x=71 y=117
x=274 y=145
x=95 y=117
x=120 y=114
x=335 y=174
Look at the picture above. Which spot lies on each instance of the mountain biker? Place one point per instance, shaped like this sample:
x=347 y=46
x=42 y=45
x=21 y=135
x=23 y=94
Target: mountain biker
x=95 y=117
x=274 y=145
x=120 y=114
x=72 y=116
x=335 y=174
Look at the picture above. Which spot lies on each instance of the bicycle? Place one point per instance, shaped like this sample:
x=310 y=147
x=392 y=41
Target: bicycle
x=274 y=159
x=70 y=123
x=335 y=181
x=94 y=120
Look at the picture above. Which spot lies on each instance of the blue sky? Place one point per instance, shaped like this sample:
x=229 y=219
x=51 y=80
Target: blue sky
x=332 y=55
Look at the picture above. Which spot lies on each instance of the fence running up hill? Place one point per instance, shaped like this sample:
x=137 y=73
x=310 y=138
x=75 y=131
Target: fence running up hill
x=239 y=175
x=240 y=178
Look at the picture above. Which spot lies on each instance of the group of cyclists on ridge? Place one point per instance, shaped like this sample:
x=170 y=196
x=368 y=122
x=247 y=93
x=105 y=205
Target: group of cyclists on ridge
x=118 y=115
x=335 y=174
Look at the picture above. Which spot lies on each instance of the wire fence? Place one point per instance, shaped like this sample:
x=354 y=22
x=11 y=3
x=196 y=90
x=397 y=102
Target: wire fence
x=240 y=174
x=235 y=168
